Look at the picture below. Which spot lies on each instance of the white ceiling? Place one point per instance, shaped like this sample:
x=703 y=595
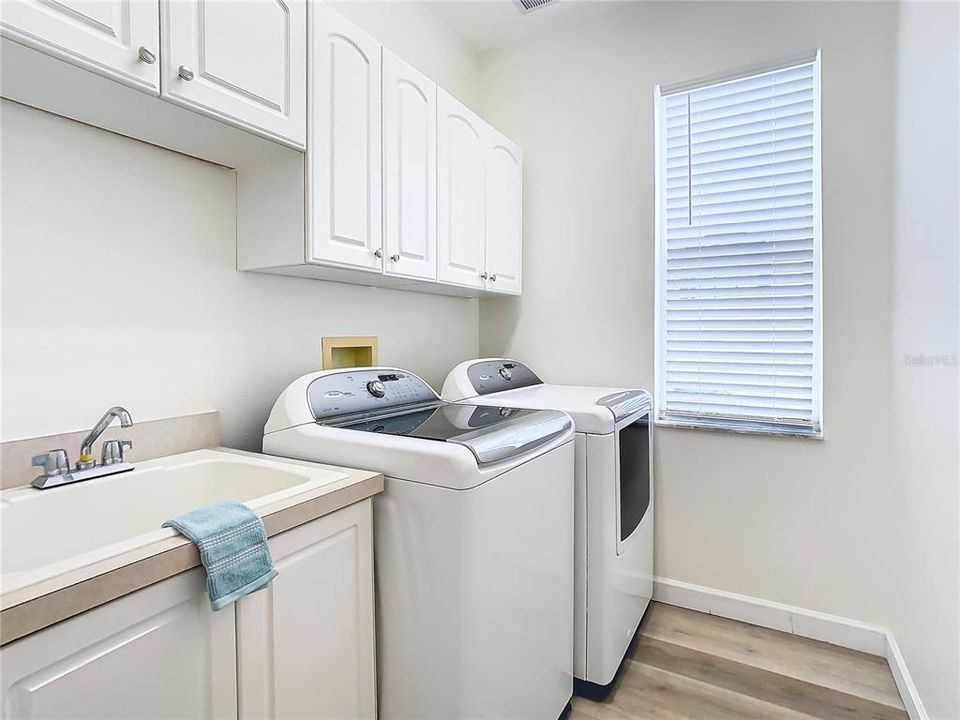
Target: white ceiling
x=489 y=24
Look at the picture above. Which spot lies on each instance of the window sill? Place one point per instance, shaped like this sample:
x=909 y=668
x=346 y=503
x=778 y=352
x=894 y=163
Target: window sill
x=742 y=428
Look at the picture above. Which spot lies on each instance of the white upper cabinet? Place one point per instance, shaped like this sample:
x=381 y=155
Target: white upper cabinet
x=343 y=154
x=409 y=170
x=404 y=186
x=119 y=39
x=461 y=149
x=504 y=220
x=243 y=62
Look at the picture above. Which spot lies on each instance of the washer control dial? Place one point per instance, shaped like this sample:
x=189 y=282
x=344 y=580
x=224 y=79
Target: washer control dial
x=376 y=388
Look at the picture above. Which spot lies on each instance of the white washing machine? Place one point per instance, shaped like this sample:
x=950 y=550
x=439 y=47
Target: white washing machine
x=614 y=499
x=473 y=539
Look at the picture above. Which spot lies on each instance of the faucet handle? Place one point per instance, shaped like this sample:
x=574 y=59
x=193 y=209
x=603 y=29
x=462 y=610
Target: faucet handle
x=53 y=463
x=113 y=451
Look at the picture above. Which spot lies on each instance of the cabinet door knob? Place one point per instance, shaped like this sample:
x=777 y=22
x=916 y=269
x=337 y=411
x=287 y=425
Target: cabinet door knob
x=146 y=56
x=483 y=276
x=185 y=72
x=395 y=258
x=493 y=278
x=378 y=253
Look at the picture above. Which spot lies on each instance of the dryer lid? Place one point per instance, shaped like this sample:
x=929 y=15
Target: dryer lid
x=626 y=402
x=595 y=410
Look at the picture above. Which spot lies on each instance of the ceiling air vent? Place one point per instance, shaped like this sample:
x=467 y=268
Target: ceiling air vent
x=526 y=6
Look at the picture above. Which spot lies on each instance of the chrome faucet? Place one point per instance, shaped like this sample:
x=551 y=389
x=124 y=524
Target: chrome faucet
x=86 y=447
x=56 y=463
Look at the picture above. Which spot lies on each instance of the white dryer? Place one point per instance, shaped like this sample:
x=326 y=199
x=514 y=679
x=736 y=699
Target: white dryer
x=473 y=539
x=613 y=574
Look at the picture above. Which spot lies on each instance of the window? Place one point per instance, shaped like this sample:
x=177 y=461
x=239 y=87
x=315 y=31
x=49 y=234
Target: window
x=738 y=250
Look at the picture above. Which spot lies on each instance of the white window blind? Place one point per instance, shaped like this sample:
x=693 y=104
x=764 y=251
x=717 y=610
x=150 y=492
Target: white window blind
x=738 y=261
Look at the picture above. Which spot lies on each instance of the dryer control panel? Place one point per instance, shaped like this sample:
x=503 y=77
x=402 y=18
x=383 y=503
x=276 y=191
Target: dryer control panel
x=362 y=390
x=490 y=376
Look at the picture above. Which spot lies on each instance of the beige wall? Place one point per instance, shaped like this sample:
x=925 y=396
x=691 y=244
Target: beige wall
x=118 y=280
x=814 y=524
x=926 y=393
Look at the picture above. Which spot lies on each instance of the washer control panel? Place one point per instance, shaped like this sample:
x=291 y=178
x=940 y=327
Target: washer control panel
x=365 y=390
x=490 y=376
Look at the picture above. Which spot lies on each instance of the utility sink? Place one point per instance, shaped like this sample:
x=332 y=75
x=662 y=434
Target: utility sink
x=48 y=532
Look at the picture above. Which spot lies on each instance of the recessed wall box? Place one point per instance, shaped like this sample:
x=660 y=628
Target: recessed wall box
x=347 y=352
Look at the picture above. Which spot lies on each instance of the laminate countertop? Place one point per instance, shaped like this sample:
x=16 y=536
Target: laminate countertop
x=30 y=607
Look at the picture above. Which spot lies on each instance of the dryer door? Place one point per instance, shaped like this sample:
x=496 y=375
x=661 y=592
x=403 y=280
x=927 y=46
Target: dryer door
x=633 y=492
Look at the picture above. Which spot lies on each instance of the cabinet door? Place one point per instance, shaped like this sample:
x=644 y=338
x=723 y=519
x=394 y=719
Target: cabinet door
x=243 y=62
x=105 y=37
x=409 y=170
x=160 y=652
x=461 y=147
x=343 y=153
x=504 y=215
x=306 y=643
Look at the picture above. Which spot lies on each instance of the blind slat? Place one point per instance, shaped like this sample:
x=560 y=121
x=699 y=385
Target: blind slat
x=741 y=315
x=782 y=207
x=706 y=169
x=770 y=193
x=740 y=244
x=770 y=271
x=736 y=377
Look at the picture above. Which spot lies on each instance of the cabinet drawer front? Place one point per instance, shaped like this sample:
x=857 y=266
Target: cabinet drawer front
x=158 y=652
x=242 y=62
x=343 y=160
x=410 y=170
x=461 y=190
x=104 y=37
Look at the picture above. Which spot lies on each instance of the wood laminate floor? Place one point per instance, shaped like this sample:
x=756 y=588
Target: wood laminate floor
x=686 y=665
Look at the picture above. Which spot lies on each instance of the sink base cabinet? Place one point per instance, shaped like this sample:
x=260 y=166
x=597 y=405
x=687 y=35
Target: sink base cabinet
x=160 y=652
x=302 y=648
x=305 y=645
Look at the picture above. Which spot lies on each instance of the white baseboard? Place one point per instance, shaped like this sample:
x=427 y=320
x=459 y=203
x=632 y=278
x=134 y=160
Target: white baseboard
x=798 y=621
x=908 y=691
x=786 y=618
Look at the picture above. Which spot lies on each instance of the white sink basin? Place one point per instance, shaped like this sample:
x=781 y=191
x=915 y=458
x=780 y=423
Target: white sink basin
x=47 y=532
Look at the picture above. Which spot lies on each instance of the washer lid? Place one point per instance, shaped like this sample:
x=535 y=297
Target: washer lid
x=491 y=433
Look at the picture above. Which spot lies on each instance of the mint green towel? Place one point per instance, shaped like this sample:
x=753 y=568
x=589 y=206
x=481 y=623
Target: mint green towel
x=233 y=549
